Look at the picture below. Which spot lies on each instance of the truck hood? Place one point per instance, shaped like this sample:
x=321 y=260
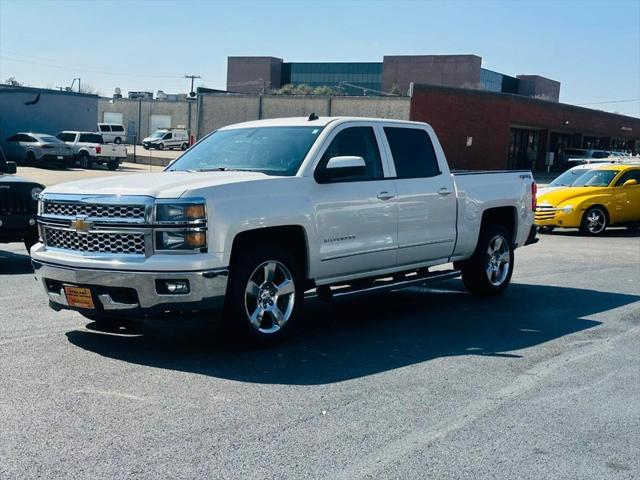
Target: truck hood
x=159 y=185
x=562 y=195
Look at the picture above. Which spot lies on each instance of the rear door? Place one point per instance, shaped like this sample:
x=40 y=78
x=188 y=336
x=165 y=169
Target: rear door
x=425 y=195
x=356 y=216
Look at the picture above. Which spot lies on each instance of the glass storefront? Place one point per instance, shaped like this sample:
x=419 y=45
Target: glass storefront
x=524 y=146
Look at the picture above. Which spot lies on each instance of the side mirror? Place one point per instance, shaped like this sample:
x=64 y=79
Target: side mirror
x=631 y=181
x=11 y=167
x=346 y=166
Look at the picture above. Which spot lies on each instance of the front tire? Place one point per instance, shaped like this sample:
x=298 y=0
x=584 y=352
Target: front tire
x=117 y=141
x=265 y=295
x=184 y=146
x=160 y=146
x=488 y=272
x=594 y=221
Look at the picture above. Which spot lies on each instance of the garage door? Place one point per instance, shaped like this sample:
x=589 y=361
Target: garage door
x=113 y=117
x=159 y=121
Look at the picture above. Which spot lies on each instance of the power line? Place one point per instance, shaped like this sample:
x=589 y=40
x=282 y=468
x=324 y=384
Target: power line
x=611 y=101
x=55 y=64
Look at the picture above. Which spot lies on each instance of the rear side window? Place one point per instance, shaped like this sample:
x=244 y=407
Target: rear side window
x=117 y=128
x=90 y=138
x=66 y=137
x=413 y=153
x=104 y=128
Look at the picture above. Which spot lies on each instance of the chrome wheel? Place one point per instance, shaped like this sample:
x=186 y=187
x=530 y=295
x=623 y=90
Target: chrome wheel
x=595 y=221
x=498 y=259
x=269 y=297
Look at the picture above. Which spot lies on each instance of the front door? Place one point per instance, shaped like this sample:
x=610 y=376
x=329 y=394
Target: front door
x=627 y=199
x=426 y=198
x=356 y=215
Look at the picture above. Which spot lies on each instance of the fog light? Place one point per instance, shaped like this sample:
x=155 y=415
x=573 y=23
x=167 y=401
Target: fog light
x=32 y=222
x=172 y=287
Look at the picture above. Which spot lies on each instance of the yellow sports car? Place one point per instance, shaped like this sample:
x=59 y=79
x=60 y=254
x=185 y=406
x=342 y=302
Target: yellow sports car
x=604 y=196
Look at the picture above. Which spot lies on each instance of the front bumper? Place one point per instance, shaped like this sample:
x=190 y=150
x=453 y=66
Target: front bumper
x=557 y=217
x=133 y=292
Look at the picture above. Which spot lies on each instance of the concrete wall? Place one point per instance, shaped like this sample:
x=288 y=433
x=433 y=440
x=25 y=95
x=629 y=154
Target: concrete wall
x=45 y=111
x=220 y=110
x=134 y=112
x=443 y=70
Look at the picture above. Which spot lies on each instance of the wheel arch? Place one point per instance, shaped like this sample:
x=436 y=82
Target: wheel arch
x=292 y=237
x=505 y=216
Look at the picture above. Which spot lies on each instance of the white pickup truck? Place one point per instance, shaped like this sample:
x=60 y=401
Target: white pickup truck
x=257 y=216
x=89 y=149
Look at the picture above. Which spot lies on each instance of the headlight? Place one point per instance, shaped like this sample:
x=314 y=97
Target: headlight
x=181 y=212
x=35 y=192
x=181 y=240
x=567 y=208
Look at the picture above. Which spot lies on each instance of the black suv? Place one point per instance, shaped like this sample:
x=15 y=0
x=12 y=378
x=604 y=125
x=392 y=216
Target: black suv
x=18 y=206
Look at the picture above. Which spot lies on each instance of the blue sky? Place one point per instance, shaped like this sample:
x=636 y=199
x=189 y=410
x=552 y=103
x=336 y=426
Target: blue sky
x=592 y=48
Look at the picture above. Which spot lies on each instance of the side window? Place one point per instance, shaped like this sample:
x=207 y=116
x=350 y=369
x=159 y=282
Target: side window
x=66 y=137
x=117 y=128
x=167 y=136
x=105 y=128
x=27 y=139
x=413 y=153
x=630 y=175
x=359 y=142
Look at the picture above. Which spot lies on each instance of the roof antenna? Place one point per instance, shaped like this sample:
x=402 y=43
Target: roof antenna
x=313 y=116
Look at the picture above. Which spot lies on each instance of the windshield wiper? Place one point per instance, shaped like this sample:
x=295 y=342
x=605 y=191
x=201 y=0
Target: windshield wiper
x=219 y=169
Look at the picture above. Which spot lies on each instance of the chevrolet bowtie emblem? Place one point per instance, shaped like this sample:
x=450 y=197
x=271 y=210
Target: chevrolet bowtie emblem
x=80 y=225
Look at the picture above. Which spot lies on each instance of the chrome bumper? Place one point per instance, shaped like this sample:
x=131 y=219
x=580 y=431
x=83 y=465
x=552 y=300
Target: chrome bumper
x=206 y=288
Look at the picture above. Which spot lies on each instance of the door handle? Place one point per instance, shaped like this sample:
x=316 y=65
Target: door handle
x=444 y=191
x=385 y=196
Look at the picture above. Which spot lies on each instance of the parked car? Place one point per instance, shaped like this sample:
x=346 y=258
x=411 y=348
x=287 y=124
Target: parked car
x=18 y=205
x=112 y=132
x=89 y=149
x=38 y=149
x=255 y=214
x=167 y=138
x=604 y=196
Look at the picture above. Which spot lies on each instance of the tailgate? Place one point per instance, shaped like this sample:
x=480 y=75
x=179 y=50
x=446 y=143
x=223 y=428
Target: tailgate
x=113 y=151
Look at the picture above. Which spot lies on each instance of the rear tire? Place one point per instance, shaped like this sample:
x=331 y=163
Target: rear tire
x=546 y=229
x=117 y=141
x=84 y=160
x=594 y=221
x=265 y=295
x=488 y=272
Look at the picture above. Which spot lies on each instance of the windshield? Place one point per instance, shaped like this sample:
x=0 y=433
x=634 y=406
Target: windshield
x=595 y=178
x=271 y=150
x=49 y=139
x=158 y=134
x=568 y=177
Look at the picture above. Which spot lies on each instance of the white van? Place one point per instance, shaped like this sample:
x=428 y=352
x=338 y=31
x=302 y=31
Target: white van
x=167 y=138
x=112 y=132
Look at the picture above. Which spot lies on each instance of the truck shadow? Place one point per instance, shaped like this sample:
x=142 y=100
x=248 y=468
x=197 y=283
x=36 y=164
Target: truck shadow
x=13 y=263
x=360 y=337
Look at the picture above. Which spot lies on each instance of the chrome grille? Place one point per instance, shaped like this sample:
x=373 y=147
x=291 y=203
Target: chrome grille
x=545 y=212
x=92 y=210
x=95 y=242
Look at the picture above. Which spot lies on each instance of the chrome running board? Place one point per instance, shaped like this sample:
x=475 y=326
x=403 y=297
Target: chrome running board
x=380 y=285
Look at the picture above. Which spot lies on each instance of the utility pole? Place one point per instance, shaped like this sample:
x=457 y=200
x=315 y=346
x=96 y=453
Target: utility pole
x=190 y=99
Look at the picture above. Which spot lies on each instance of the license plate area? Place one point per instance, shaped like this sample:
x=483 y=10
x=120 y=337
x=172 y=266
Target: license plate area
x=79 y=297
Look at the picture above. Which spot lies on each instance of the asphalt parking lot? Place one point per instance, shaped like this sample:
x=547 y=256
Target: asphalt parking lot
x=50 y=177
x=540 y=383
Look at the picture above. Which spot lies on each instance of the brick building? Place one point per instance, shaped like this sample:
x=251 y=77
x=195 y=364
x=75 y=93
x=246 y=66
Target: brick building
x=489 y=130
